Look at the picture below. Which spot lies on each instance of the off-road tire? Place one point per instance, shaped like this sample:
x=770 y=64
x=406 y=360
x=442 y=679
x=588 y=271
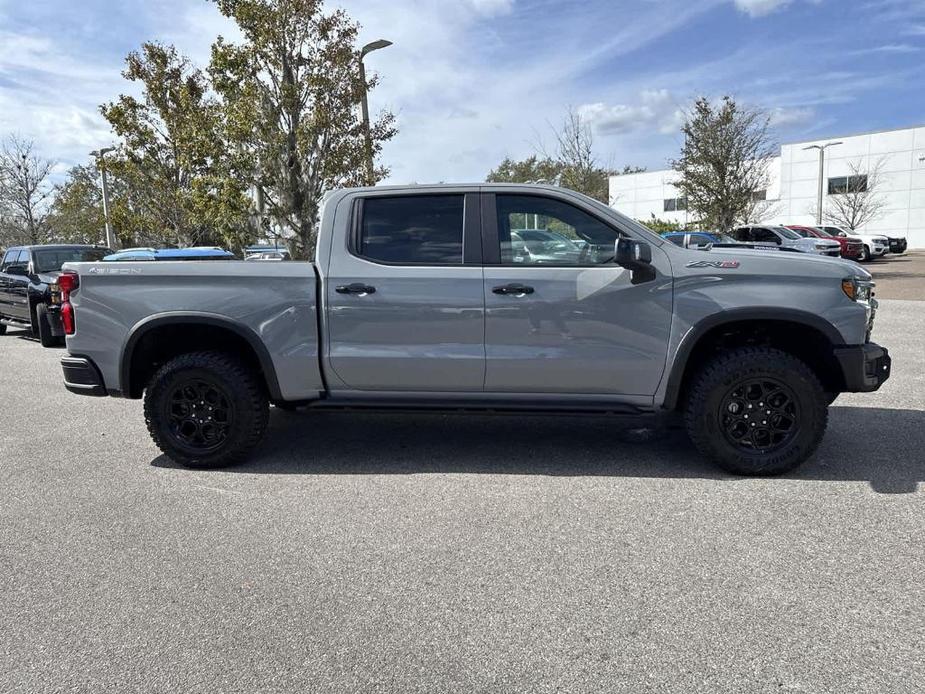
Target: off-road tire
x=2 y=329
x=240 y=389
x=43 y=328
x=865 y=254
x=722 y=375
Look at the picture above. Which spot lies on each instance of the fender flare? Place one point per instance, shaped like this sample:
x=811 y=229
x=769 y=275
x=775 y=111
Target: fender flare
x=737 y=315
x=140 y=329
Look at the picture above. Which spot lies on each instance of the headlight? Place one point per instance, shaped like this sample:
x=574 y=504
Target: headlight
x=857 y=290
x=822 y=246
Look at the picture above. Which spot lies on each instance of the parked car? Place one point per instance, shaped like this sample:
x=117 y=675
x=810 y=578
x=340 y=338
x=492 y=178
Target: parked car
x=693 y=239
x=416 y=302
x=851 y=247
x=898 y=244
x=268 y=255
x=29 y=297
x=149 y=254
x=700 y=239
x=787 y=238
x=875 y=246
x=264 y=252
x=542 y=246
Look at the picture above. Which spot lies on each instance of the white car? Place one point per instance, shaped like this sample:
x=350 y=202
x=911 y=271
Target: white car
x=875 y=246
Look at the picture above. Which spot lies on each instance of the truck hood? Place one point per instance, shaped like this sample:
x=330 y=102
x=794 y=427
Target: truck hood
x=792 y=263
x=49 y=277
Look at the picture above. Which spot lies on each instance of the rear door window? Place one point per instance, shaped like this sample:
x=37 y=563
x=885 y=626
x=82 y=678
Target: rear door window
x=412 y=230
x=762 y=235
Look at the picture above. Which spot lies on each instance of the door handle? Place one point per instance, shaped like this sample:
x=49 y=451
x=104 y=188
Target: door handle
x=355 y=288
x=513 y=289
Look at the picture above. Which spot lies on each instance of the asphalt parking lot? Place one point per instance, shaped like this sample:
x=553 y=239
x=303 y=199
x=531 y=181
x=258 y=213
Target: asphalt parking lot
x=899 y=276
x=458 y=554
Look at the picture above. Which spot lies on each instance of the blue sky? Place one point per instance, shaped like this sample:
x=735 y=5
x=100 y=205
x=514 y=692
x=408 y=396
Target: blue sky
x=473 y=81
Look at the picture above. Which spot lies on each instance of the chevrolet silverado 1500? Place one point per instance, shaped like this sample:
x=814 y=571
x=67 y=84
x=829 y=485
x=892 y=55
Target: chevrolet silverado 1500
x=423 y=297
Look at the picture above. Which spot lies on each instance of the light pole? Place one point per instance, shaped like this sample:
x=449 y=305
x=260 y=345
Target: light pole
x=822 y=149
x=366 y=50
x=101 y=165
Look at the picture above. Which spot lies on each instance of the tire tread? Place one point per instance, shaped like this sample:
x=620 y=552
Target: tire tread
x=747 y=361
x=245 y=387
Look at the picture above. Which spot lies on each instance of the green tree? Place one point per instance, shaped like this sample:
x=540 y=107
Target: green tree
x=76 y=215
x=174 y=160
x=530 y=170
x=291 y=90
x=724 y=162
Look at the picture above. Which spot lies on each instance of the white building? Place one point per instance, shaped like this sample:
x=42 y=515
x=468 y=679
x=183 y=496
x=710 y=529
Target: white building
x=898 y=155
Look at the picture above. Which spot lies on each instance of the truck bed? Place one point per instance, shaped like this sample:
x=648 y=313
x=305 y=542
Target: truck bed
x=274 y=306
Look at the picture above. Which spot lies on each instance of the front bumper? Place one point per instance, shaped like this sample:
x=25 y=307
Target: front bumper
x=864 y=367
x=81 y=376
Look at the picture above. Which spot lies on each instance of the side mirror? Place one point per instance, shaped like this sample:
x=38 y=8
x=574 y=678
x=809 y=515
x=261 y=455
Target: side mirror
x=636 y=257
x=632 y=255
x=17 y=270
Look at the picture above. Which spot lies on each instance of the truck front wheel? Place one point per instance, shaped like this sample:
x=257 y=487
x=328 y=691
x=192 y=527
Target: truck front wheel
x=206 y=409
x=756 y=411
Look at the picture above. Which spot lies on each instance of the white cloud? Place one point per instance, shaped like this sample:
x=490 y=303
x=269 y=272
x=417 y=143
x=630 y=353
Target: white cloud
x=656 y=110
x=760 y=8
x=782 y=117
x=491 y=8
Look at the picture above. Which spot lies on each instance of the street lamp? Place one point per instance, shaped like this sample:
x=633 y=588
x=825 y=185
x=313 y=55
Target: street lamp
x=822 y=149
x=100 y=164
x=366 y=50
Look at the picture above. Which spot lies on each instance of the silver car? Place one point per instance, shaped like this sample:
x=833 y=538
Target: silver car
x=787 y=238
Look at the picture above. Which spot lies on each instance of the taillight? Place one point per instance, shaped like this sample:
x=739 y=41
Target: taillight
x=67 y=318
x=68 y=282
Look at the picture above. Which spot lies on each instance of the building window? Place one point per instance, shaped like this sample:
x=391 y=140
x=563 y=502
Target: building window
x=675 y=204
x=843 y=185
x=758 y=195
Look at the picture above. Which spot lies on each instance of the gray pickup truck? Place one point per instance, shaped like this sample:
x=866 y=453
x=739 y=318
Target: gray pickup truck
x=418 y=299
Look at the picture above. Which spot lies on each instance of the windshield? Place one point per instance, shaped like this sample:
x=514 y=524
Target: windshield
x=787 y=233
x=802 y=232
x=51 y=260
x=825 y=231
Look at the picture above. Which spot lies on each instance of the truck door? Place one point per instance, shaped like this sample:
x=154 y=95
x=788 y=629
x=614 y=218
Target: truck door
x=8 y=259
x=560 y=316
x=405 y=310
x=17 y=287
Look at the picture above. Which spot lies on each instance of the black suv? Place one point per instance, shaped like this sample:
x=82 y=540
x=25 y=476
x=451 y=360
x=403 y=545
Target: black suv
x=28 y=290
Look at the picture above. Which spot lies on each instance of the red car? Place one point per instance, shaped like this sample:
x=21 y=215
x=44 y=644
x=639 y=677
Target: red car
x=850 y=248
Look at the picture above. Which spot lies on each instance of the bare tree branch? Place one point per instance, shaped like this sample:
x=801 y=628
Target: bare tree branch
x=25 y=191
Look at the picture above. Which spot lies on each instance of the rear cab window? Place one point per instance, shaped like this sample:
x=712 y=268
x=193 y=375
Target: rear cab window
x=51 y=260
x=411 y=229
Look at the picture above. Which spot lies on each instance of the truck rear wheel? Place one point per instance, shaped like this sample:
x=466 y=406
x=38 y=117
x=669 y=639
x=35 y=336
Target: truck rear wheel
x=756 y=411
x=44 y=328
x=206 y=409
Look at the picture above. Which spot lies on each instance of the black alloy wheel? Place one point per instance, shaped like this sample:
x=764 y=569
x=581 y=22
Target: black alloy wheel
x=759 y=415
x=200 y=414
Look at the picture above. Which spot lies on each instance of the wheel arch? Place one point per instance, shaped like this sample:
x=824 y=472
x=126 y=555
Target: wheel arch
x=799 y=332
x=142 y=353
